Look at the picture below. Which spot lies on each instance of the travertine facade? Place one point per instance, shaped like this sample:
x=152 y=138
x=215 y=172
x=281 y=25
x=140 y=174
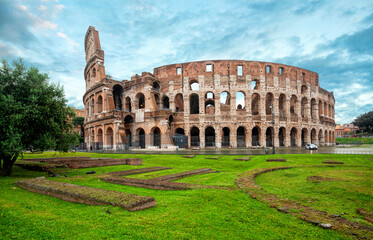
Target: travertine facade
x=219 y=103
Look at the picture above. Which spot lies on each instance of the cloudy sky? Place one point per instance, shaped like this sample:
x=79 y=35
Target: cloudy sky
x=333 y=38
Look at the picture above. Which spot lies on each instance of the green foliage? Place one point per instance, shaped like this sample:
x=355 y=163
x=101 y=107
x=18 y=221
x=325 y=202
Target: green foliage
x=33 y=113
x=366 y=140
x=78 y=121
x=365 y=121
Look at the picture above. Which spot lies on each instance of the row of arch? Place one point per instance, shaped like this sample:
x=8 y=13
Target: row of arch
x=294 y=137
x=324 y=109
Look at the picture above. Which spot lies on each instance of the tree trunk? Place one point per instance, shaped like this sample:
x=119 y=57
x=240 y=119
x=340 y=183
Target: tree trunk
x=8 y=162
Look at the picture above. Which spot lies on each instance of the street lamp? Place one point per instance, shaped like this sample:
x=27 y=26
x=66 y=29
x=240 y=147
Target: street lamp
x=273 y=128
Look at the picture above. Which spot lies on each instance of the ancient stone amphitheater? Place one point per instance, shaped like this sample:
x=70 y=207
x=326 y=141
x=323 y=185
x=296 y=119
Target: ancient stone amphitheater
x=218 y=104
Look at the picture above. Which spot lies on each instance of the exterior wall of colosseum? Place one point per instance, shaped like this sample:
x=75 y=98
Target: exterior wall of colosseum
x=220 y=103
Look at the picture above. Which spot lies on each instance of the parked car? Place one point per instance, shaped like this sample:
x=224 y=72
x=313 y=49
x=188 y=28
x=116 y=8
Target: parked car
x=311 y=146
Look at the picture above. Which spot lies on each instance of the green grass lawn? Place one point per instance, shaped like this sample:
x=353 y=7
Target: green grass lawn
x=354 y=140
x=190 y=214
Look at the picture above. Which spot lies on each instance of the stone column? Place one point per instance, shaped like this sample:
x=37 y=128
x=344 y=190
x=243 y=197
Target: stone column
x=262 y=134
x=233 y=137
x=298 y=141
x=202 y=136
x=248 y=137
x=218 y=133
x=248 y=103
x=287 y=141
x=275 y=135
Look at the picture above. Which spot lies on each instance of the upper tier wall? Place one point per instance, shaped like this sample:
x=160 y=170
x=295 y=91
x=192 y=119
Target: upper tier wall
x=230 y=68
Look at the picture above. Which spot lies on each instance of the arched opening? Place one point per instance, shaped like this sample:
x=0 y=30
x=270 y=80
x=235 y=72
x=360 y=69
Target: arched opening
x=210 y=107
x=194 y=137
x=304 y=136
x=180 y=139
x=320 y=108
x=210 y=137
x=255 y=136
x=194 y=85
x=93 y=138
x=166 y=102
x=109 y=138
x=330 y=137
x=293 y=137
x=313 y=136
x=254 y=85
x=128 y=119
x=100 y=138
x=140 y=98
x=156 y=86
x=209 y=95
x=128 y=104
x=99 y=104
x=179 y=103
x=141 y=134
x=303 y=108
x=330 y=111
x=128 y=138
x=240 y=101
x=325 y=110
x=313 y=108
x=157 y=137
x=293 y=106
x=226 y=140
x=255 y=99
x=157 y=101
x=225 y=101
x=94 y=73
x=241 y=136
x=269 y=103
x=117 y=95
x=92 y=107
x=194 y=103
x=180 y=131
x=326 y=137
x=304 y=89
x=281 y=136
x=170 y=121
x=269 y=137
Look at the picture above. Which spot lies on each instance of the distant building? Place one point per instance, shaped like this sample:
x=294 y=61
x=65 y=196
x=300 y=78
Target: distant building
x=345 y=130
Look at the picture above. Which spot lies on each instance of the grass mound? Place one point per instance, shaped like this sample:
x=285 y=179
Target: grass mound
x=80 y=194
x=176 y=176
x=137 y=171
x=320 y=218
x=159 y=183
x=76 y=162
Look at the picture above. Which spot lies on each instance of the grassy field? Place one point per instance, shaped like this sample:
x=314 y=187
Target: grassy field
x=192 y=214
x=354 y=140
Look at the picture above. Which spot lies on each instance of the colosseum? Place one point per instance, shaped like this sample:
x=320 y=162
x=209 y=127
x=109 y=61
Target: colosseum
x=205 y=104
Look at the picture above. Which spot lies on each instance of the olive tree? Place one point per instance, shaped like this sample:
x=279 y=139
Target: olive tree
x=33 y=114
